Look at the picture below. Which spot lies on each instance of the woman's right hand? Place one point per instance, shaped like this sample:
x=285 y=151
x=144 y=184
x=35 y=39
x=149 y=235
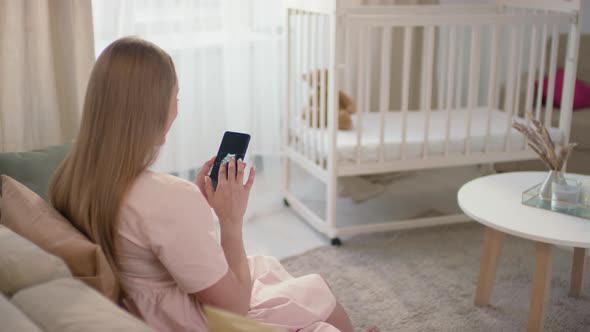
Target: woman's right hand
x=230 y=199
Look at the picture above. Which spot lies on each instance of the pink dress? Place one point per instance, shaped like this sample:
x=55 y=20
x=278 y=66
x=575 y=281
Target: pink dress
x=168 y=247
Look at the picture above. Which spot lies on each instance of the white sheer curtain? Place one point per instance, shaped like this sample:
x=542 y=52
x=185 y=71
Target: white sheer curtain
x=229 y=60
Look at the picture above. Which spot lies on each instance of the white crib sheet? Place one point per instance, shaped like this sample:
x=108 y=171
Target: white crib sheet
x=347 y=140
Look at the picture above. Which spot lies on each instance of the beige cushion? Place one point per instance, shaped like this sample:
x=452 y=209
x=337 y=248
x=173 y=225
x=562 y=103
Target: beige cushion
x=23 y=264
x=13 y=319
x=67 y=305
x=29 y=215
x=222 y=321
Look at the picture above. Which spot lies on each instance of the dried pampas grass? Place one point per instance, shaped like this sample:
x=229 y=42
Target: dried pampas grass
x=539 y=140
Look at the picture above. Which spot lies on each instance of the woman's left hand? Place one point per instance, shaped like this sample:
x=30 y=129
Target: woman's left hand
x=200 y=180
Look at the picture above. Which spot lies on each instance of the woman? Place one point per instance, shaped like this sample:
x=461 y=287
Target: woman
x=156 y=230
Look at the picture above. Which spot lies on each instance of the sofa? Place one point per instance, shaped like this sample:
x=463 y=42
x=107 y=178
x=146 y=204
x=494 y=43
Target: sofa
x=52 y=278
x=39 y=293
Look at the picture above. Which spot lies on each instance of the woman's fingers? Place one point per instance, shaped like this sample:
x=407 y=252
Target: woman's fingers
x=251 y=178
x=240 y=176
x=207 y=167
x=209 y=187
x=231 y=171
x=209 y=163
x=222 y=176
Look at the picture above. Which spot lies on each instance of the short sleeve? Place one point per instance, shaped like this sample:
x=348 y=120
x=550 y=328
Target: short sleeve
x=185 y=240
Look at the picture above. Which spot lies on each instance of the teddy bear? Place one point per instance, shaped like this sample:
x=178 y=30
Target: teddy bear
x=345 y=103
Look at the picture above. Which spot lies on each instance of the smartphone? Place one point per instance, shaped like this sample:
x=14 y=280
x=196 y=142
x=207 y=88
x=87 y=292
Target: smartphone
x=232 y=145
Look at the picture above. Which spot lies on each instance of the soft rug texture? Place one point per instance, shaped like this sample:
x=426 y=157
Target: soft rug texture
x=425 y=279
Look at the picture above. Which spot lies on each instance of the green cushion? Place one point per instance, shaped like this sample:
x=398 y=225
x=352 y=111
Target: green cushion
x=34 y=168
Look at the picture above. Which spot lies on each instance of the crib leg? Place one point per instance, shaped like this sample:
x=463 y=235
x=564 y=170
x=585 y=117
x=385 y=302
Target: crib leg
x=336 y=242
x=286 y=178
x=331 y=197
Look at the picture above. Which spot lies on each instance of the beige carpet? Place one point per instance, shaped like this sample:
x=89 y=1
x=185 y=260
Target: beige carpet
x=424 y=280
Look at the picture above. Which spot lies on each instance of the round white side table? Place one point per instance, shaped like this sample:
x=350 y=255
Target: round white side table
x=495 y=201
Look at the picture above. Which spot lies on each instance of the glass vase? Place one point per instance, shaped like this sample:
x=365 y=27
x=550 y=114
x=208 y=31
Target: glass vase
x=554 y=177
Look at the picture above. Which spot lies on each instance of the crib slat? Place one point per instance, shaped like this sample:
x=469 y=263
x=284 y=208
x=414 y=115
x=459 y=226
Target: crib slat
x=301 y=103
x=427 y=85
x=306 y=36
x=501 y=62
x=460 y=60
x=531 y=72
x=384 y=84
x=551 y=83
x=422 y=62
x=332 y=87
x=322 y=54
x=528 y=103
x=349 y=56
x=289 y=102
x=473 y=84
x=361 y=92
x=569 y=80
x=290 y=99
x=318 y=112
x=492 y=84
x=542 y=63
x=510 y=77
x=519 y=61
x=406 y=65
x=313 y=72
x=442 y=62
x=300 y=85
x=450 y=85
x=516 y=93
x=367 y=81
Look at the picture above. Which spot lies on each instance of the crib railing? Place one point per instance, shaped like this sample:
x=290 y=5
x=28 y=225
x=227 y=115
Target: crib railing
x=478 y=58
x=309 y=77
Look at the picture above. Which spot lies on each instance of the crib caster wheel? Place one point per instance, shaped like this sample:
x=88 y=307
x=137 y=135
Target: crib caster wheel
x=336 y=242
x=286 y=203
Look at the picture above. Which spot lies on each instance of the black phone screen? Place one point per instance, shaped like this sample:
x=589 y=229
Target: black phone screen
x=232 y=145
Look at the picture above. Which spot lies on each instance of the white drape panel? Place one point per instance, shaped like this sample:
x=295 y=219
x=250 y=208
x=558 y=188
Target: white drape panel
x=229 y=60
x=46 y=54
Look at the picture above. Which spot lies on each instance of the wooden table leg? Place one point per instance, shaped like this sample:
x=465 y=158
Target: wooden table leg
x=540 y=289
x=492 y=242
x=577 y=277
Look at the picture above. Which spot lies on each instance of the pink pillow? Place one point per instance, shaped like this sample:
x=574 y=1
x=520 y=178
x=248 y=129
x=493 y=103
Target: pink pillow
x=581 y=91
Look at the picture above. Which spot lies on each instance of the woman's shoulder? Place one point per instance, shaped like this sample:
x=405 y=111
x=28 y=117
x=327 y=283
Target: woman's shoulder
x=165 y=180
x=164 y=183
x=163 y=190
x=159 y=205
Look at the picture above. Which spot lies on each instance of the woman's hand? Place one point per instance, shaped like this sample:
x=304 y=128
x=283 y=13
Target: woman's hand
x=230 y=199
x=203 y=172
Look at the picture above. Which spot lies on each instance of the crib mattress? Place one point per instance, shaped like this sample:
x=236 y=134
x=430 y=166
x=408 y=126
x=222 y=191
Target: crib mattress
x=415 y=135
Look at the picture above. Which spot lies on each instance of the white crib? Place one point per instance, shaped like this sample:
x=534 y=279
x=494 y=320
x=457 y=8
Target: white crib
x=434 y=86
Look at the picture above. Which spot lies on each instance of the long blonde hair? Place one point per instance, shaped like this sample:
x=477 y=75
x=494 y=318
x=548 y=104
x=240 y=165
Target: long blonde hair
x=123 y=124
